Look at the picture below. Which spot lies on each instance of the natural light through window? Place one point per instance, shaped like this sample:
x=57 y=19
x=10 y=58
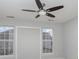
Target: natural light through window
x=47 y=40
x=6 y=40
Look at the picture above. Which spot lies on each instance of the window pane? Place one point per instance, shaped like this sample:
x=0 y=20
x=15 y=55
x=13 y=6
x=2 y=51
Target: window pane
x=47 y=46
x=1 y=44
x=11 y=45
x=8 y=47
x=11 y=34
x=47 y=34
x=9 y=50
x=6 y=51
x=1 y=51
x=1 y=35
x=6 y=32
x=6 y=44
x=6 y=35
x=1 y=47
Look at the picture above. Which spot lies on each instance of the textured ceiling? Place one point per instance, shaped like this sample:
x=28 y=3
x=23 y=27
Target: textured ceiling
x=13 y=8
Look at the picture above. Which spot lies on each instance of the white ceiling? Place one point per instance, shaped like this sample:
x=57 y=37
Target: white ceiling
x=13 y=8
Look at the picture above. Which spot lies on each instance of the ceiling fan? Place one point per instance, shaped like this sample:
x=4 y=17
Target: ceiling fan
x=43 y=11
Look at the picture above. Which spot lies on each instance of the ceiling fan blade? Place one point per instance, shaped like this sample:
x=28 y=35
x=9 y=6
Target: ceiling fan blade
x=50 y=15
x=39 y=4
x=37 y=16
x=54 y=8
x=28 y=10
x=43 y=4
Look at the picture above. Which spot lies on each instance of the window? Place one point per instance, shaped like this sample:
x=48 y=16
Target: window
x=6 y=40
x=47 y=40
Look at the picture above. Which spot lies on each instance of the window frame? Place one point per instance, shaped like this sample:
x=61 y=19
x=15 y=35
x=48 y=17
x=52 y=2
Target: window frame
x=41 y=42
x=14 y=41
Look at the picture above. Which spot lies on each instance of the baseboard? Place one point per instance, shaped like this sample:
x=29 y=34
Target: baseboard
x=54 y=58
x=57 y=58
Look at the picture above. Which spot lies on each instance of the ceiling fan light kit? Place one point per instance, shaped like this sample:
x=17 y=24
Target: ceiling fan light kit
x=43 y=11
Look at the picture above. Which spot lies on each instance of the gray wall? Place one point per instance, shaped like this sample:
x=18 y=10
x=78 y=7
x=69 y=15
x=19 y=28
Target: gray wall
x=28 y=40
x=71 y=39
x=57 y=29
